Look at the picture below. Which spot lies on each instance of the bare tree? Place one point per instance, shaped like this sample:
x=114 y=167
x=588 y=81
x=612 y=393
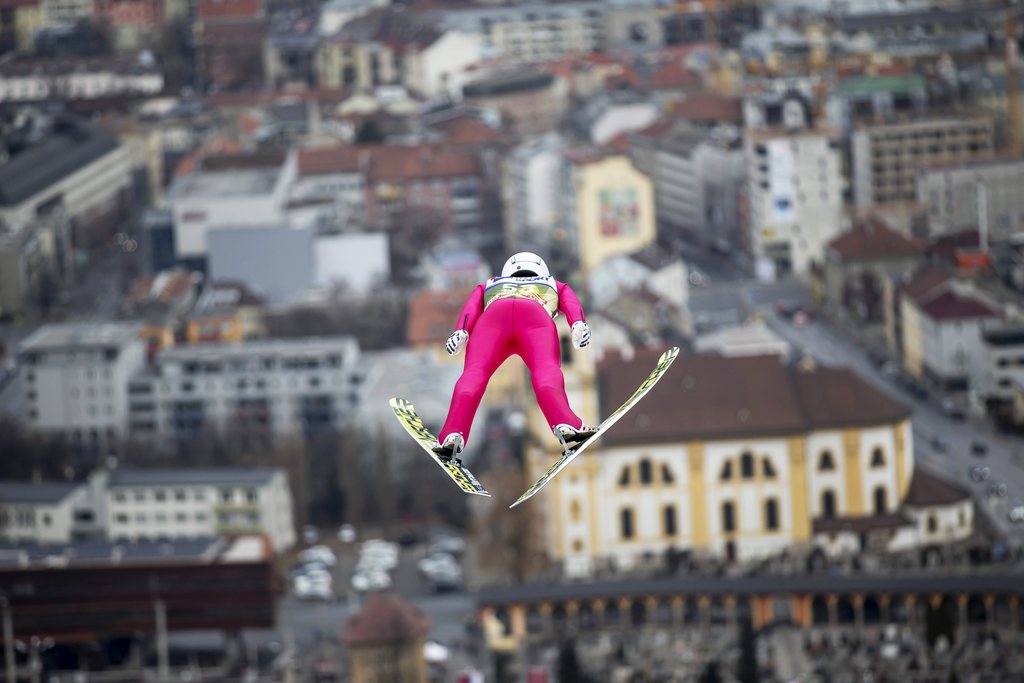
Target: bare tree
x=508 y=541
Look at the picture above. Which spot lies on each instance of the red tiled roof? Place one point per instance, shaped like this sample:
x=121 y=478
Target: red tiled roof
x=618 y=144
x=433 y=315
x=326 y=160
x=873 y=240
x=409 y=162
x=925 y=281
x=710 y=108
x=950 y=306
x=705 y=397
x=657 y=129
x=625 y=77
x=229 y=9
x=214 y=146
x=467 y=130
x=927 y=489
x=385 y=619
x=673 y=76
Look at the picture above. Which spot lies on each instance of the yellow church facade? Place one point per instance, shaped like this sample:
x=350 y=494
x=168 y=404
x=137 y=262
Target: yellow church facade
x=727 y=457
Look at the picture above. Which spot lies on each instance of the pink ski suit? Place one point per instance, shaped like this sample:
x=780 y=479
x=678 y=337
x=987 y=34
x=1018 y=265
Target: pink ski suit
x=514 y=315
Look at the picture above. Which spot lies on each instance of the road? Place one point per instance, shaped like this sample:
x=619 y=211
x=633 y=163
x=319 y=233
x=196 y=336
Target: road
x=833 y=349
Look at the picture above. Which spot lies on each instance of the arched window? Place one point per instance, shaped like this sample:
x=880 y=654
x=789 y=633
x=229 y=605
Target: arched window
x=626 y=523
x=645 y=471
x=666 y=474
x=726 y=474
x=624 y=476
x=877 y=458
x=771 y=514
x=825 y=462
x=575 y=510
x=767 y=469
x=747 y=465
x=933 y=524
x=728 y=517
x=669 y=520
x=880 y=501
x=828 y=504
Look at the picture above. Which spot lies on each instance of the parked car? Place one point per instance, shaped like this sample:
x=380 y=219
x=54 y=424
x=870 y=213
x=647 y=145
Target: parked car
x=447 y=544
x=979 y=448
x=347 y=533
x=1017 y=512
x=370 y=581
x=318 y=553
x=996 y=490
x=313 y=588
x=952 y=409
x=979 y=474
x=939 y=446
x=436 y=562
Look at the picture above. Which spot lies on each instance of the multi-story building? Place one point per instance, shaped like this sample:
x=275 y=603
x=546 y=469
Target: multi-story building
x=64 y=189
x=737 y=458
x=19 y=20
x=607 y=207
x=132 y=22
x=38 y=512
x=952 y=194
x=531 y=102
x=330 y=186
x=229 y=36
x=38 y=79
x=886 y=157
x=256 y=389
x=76 y=381
x=65 y=12
x=196 y=503
x=532 y=32
x=1004 y=363
x=795 y=195
x=942 y=328
x=531 y=192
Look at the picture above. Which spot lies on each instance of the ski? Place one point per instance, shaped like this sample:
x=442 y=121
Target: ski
x=460 y=474
x=659 y=371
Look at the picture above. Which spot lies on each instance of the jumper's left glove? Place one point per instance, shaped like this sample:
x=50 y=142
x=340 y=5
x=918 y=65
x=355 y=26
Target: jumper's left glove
x=580 y=334
x=457 y=342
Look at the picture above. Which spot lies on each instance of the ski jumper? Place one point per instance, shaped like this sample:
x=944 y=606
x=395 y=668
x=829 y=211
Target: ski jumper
x=514 y=315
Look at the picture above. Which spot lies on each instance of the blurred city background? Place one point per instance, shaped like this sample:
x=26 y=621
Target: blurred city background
x=230 y=230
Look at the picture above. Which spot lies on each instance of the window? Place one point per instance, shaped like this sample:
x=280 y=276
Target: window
x=828 y=505
x=666 y=474
x=880 y=501
x=121 y=518
x=140 y=517
x=645 y=471
x=771 y=514
x=877 y=458
x=726 y=474
x=933 y=524
x=140 y=496
x=119 y=498
x=47 y=520
x=624 y=477
x=825 y=462
x=251 y=496
x=160 y=495
x=962 y=518
x=669 y=514
x=226 y=495
x=179 y=495
x=769 y=471
x=626 y=523
x=161 y=518
x=728 y=517
x=180 y=517
x=199 y=494
x=746 y=465
x=200 y=516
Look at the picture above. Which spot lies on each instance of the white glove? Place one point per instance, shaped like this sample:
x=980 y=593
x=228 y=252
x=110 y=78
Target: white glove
x=580 y=334
x=457 y=342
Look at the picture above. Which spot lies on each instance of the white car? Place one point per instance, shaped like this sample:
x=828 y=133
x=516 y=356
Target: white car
x=1017 y=513
x=308 y=588
x=318 y=553
x=346 y=533
x=370 y=581
x=448 y=544
x=438 y=562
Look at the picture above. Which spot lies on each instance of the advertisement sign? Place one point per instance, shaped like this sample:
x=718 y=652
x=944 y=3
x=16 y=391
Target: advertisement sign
x=618 y=211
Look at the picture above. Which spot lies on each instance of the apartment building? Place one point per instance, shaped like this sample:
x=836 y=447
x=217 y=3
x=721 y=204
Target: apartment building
x=531 y=191
x=38 y=512
x=795 y=191
x=957 y=196
x=258 y=389
x=76 y=380
x=195 y=503
x=533 y=32
x=886 y=157
x=1004 y=363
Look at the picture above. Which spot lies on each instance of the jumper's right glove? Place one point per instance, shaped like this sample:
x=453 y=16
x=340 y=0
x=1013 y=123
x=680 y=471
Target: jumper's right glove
x=580 y=334
x=457 y=342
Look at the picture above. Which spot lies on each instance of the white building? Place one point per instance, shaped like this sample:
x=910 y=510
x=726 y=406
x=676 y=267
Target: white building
x=658 y=270
x=76 y=379
x=795 y=192
x=1004 y=361
x=533 y=32
x=943 y=333
x=749 y=339
x=39 y=512
x=951 y=195
x=261 y=389
x=334 y=256
x=234 y=198
x=35 y=80
x=533 y=174
x=65 y=12
x=437 y=69
x=193 y=503
x=609 y=114
x=329 y=186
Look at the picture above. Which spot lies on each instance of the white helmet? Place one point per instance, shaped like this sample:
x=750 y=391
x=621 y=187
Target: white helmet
x=525 y=261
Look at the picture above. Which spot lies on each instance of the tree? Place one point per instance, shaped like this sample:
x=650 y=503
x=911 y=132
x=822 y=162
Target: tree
x=509 y=541
x=569 y=670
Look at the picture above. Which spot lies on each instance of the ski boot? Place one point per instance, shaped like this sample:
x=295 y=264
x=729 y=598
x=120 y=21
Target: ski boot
x=567 y=434
x=451 y=447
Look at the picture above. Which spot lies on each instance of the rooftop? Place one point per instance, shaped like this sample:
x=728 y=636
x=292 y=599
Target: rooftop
x=706 y=397
x=236 y=183
x=328 y=160
x=709 y=108
x=508 y=84
x=410 y=162
x=61 y=336
x=18 y=557
x=31 y=492
x=929 y=489
x=873 y=240
x=197 y=476
x=950 y=305
x=433 y=315
x=262 y=348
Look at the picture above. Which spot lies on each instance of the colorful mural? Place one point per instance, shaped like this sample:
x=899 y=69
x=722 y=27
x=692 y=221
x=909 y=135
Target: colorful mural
x=619 y=211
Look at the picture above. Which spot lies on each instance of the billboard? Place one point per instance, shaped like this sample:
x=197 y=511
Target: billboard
x=618 y=211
